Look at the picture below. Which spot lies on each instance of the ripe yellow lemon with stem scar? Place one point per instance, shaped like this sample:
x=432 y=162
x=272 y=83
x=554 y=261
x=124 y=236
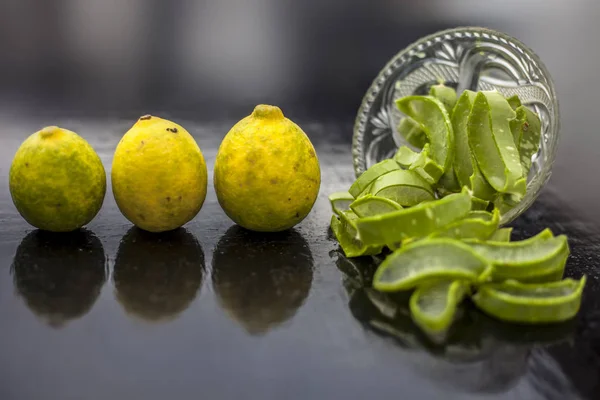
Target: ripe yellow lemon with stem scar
x=159 y=175
x=267 y=174
x=57 y=180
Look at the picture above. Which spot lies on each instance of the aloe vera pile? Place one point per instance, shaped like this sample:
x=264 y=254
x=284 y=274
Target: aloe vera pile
x=438 y=211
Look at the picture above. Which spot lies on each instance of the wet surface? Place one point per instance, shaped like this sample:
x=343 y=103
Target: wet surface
x=216 y=312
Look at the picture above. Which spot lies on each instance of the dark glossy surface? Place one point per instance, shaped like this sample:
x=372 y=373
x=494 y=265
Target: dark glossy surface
x=217 y=312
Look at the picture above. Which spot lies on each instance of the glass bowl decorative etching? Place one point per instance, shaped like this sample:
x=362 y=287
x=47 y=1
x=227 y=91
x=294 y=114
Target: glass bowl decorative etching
x=464 y=58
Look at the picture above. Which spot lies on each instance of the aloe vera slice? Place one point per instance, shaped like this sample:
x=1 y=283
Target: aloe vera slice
x=448 y=183
x=340 y=201
x=427 y=260
x=374 y=172
x=479 y=204
x=501 y=235
x=412 y=132
x=531 y=303
x=528 y=258
x=418 y=221
x=431 y=114
x=405 y=156
x=476 y=225
x=404 y=187
x=370 y=205
x=530 y=132
x=345 y=233
x=433 y=305
x=514 y=102
x=492 y=143
x=445 y=94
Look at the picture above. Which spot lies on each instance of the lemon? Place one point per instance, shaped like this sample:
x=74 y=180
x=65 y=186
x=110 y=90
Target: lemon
x=158 y=175
x=57 y=180
x=267 y=174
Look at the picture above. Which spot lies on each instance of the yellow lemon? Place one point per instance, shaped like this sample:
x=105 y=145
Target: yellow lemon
x=267 y=174
x=57 y=180
x=158 y=175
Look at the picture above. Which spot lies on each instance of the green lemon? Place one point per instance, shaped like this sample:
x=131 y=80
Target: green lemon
x=159 y=176
x=267 y=174
x=57 y=180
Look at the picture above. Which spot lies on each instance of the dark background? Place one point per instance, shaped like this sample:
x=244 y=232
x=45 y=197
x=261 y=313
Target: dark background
x=74 y=331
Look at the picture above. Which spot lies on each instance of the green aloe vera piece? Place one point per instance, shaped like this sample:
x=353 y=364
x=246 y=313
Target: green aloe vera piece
x=501 y=235
x=340 y=201
x=492 y=143
x=514 y=102
x=445 y=94
x=369 y=205
x=476 y=225
x=405 y=156
x=404 y=187
x=525 y=259
x=431 y=114
x=479 y=204
x=374 y=172
x=418 y=221
x=412 y=132
x=433 y=305
x=464 y=163
x=448 y=183
x=528 y=128
x=531 y=303
x=427 y=260
x=345 y=233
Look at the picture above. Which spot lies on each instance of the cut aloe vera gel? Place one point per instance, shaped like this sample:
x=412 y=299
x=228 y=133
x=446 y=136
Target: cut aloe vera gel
x=529 y=130
x=340 y=201
x=345 y=233
x=501 y=235
x=412 y=132
x=492 y=143
x=435 y=122
x=369 y=205
x=476 y=225
x=413 y=222
x=405 y=187
x=433 y=305
x=531 y=303
x=445 y=94
x=428 y=260
x=367 y=177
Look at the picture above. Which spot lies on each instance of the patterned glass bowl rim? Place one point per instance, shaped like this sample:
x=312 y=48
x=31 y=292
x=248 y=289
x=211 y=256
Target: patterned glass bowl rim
x=549 y=140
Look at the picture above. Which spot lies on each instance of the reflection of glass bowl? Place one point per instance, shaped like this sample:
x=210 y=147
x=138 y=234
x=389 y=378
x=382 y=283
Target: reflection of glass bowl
x=464 y=58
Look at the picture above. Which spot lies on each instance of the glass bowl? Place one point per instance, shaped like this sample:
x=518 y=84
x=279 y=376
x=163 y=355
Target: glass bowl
x=464 y=58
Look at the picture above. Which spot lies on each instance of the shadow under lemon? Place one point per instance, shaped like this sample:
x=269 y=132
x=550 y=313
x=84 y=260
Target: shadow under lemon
x=59 y=276
x=158 y=275
x=260 y=279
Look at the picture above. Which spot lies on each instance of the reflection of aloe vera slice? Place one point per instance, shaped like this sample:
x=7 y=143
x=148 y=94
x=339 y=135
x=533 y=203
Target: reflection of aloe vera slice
x=525 y=259
x=418 y=221
x=435 y=122
x=404 y=187
x=433 y=305
x=345 y=233
x=370 y=205
x=374 y=172
x=501 y=235
x=428 y=260
x=340 y=201
x=531 y=303
x=492 y=143
x=476 y=225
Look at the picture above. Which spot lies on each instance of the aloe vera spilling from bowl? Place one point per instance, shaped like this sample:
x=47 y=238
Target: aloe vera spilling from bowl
x=438 y=210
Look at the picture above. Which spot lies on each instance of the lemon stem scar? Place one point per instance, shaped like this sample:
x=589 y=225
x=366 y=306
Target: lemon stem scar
x=49 y=131
x=267 y=112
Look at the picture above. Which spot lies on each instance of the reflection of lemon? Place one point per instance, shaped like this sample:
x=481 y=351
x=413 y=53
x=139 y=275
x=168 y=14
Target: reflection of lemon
x=267 y=175
x=57 y=180
x=158 y=175
x=59 y=276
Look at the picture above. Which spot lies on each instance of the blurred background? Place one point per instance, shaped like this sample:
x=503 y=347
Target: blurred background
x=214 y=60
